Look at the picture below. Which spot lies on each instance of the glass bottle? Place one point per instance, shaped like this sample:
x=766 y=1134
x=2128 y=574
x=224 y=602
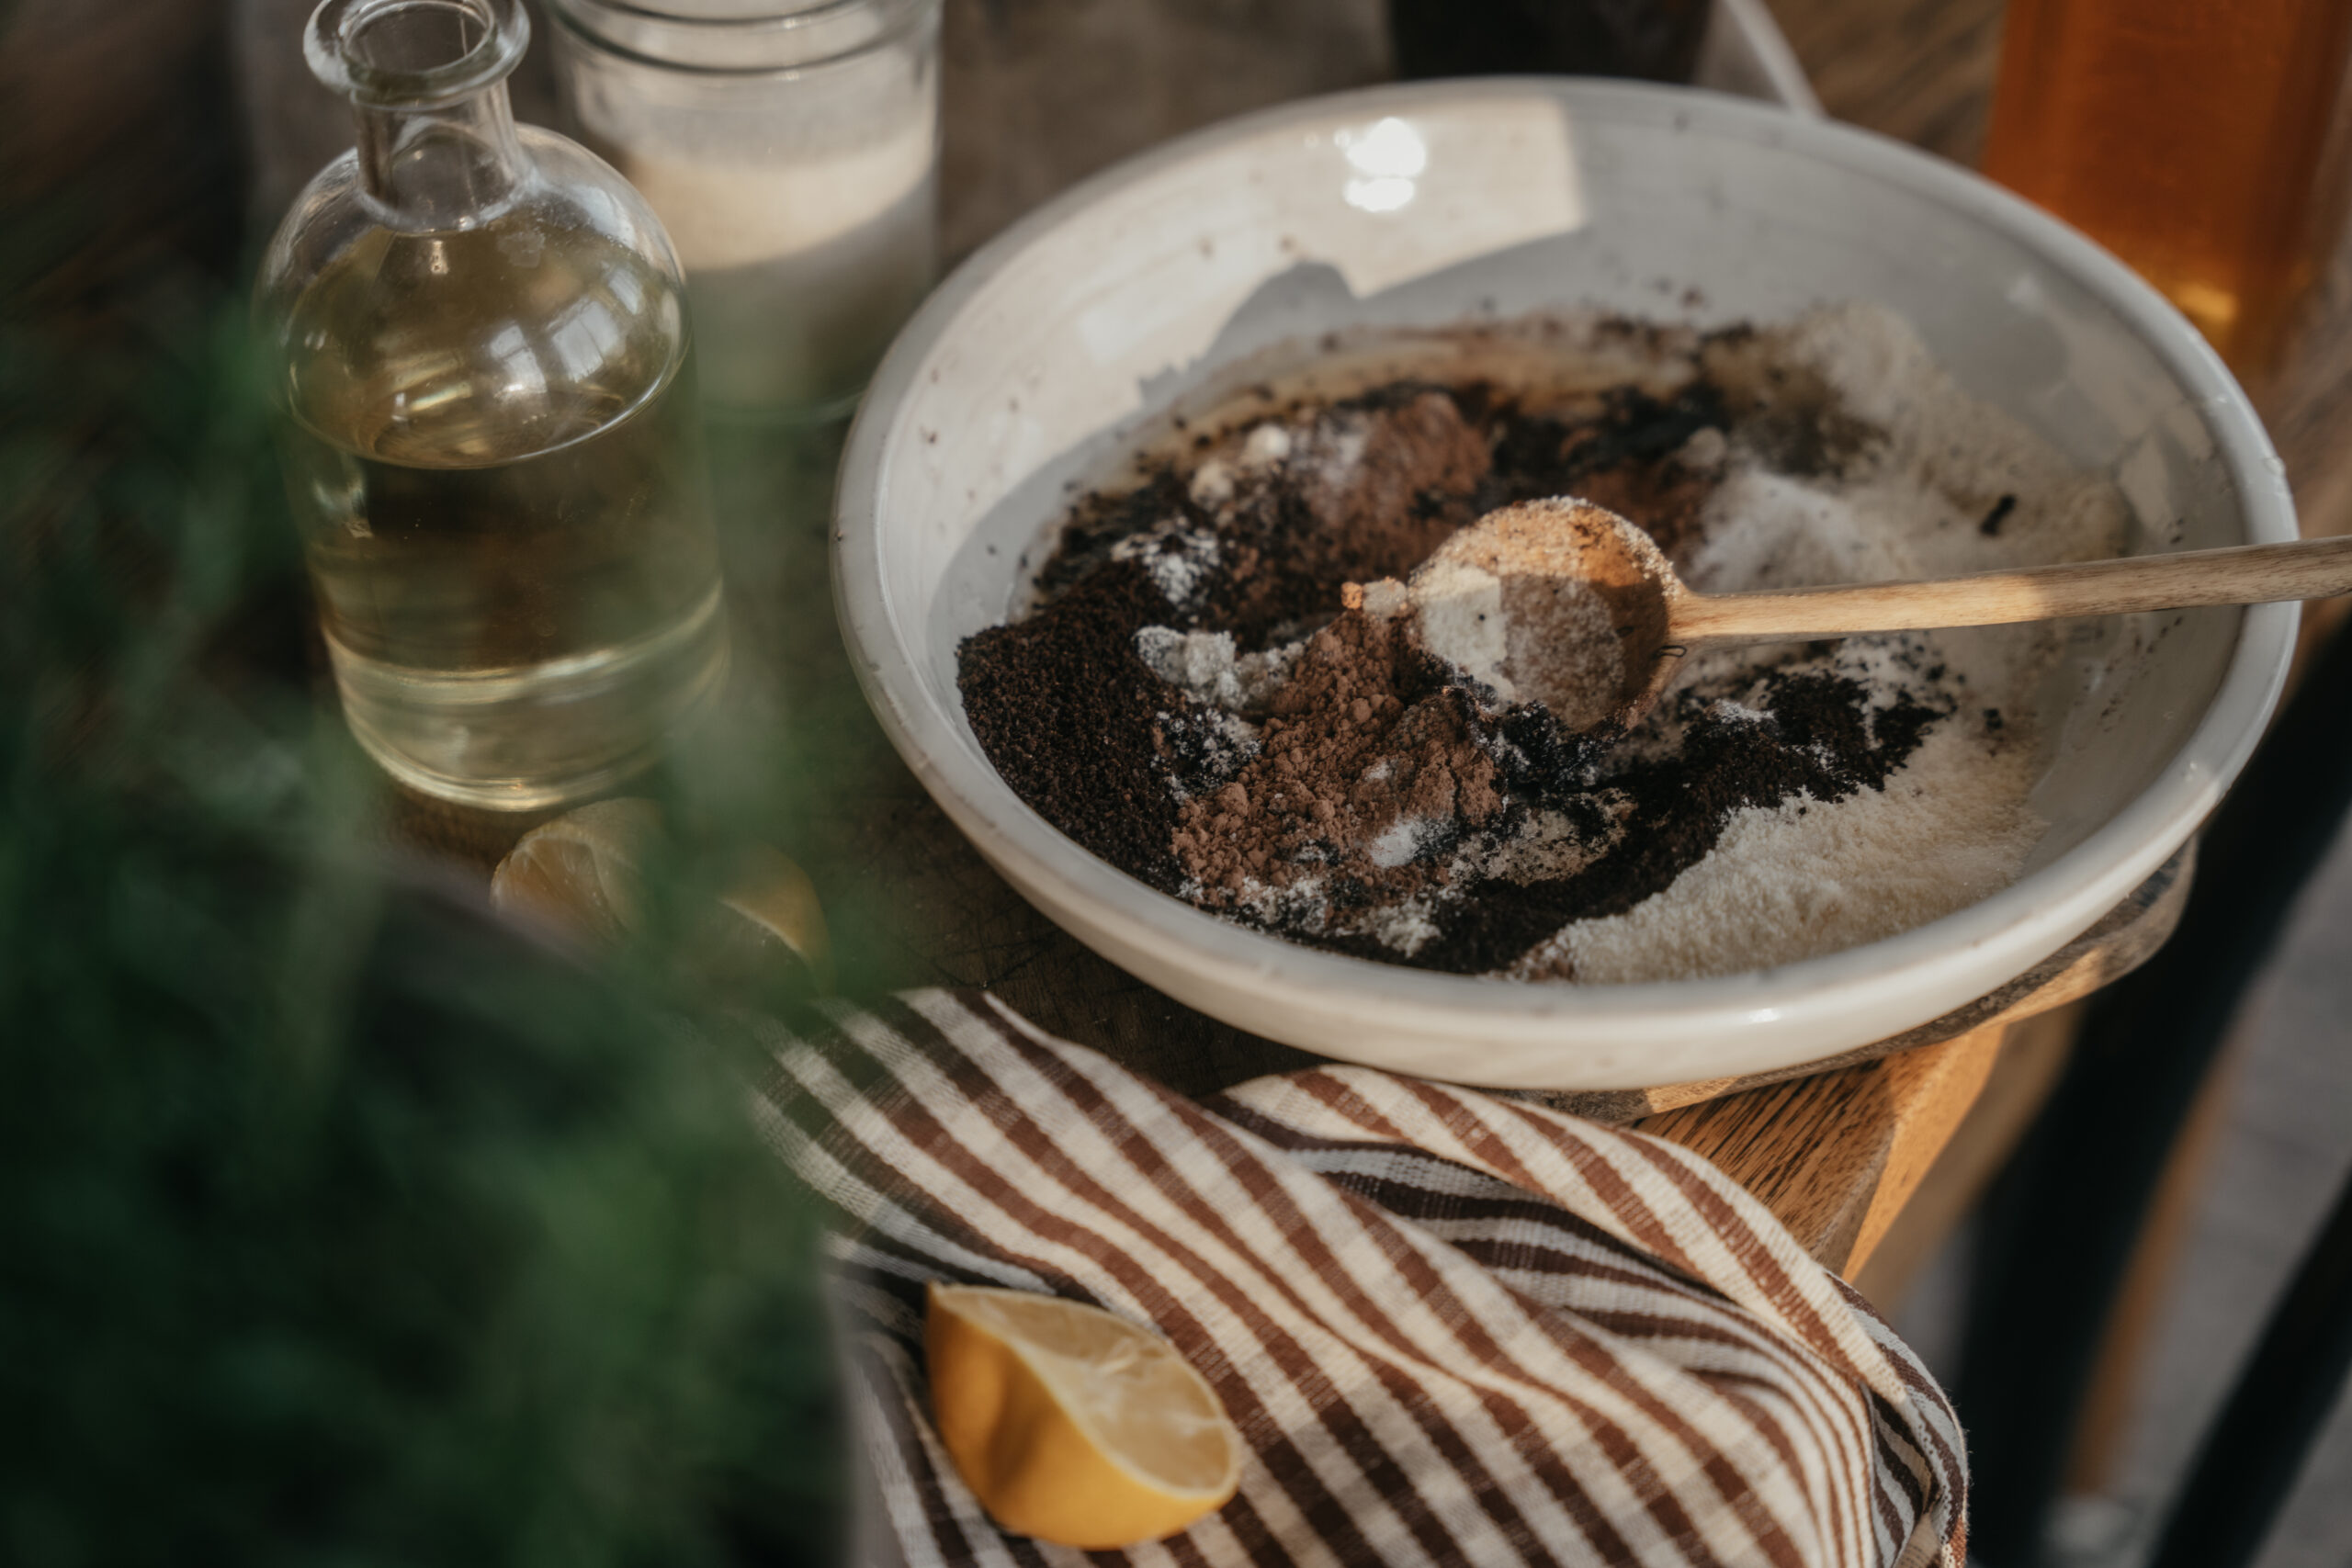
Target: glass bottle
x=479 y=353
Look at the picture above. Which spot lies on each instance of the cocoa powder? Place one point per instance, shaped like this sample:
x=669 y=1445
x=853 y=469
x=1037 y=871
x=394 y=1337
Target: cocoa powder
x=1364 y=743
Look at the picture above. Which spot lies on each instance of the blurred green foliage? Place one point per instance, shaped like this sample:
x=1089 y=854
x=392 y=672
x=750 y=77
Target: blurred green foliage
x=339 y=1224
x=343 y=1225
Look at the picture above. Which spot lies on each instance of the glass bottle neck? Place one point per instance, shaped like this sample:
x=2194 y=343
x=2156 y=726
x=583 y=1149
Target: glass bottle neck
x=427 y=79
x=443 y=167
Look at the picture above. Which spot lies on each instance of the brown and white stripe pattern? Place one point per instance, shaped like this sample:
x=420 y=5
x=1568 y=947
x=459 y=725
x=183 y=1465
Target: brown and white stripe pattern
x=1453 y=1328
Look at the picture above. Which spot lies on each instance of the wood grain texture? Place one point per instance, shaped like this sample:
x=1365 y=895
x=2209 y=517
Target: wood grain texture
x=2021 y=1079
x=2034 y=1052
x=1836 y=1154
x=2238 y=574
x=1814 y=1150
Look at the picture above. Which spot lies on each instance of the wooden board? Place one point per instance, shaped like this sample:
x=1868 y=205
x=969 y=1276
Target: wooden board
x=1835 y=1154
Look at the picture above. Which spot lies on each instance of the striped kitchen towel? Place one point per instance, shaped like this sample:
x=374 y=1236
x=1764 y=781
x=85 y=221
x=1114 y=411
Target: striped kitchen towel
x=1452 y=1328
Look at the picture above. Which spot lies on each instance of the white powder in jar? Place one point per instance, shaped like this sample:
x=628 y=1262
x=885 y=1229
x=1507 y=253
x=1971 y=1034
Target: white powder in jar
x=801 y=262
x=792 y=153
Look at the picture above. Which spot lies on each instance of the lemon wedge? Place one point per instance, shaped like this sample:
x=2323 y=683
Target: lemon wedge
x=1073 y=1425
x=585 y=872
x=777 y=903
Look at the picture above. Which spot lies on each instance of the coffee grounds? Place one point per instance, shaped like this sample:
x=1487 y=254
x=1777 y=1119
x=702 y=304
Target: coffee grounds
x=1378 y=770
x=1814 y=734
x=1071 y=719
x=1374 y=486
x=1368 y=486
x=1628 y=461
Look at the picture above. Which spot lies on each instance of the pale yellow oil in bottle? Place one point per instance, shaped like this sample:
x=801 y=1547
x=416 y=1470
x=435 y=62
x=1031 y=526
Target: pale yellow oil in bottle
x=493 y=456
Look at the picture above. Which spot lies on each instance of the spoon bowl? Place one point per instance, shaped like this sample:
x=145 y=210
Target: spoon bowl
x=1558 y=602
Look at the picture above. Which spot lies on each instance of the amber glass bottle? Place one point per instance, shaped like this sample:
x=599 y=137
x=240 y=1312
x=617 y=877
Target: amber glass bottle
x=2201 y=141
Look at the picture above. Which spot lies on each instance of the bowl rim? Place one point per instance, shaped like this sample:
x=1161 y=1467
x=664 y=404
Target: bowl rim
x=1773 y=1008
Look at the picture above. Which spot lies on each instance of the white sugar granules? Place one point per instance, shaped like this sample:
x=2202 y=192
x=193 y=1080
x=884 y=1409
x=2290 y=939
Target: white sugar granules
x=1180 y=562
x=1206 y=666
x=1404 y=928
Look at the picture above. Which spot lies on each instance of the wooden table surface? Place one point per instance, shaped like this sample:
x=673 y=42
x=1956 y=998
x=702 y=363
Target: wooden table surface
x=1869 y=1163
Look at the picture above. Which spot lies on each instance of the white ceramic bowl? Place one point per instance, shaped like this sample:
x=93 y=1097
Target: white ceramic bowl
x=1442 y=202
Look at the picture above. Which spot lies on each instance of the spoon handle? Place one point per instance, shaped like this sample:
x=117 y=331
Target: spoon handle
x=2243 y=574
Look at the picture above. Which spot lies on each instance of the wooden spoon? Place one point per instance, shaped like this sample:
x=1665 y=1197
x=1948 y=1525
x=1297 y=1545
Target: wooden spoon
x=1568 y=604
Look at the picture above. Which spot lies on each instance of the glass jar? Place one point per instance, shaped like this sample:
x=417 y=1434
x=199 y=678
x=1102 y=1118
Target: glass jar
x=2205 y=144
x=488 y=425
x=792 y=148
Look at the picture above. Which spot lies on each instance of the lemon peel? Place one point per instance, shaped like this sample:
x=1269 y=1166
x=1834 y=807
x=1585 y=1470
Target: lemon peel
x=1071 y=1424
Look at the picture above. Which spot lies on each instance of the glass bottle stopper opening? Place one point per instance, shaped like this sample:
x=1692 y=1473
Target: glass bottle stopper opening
x=414 y=53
